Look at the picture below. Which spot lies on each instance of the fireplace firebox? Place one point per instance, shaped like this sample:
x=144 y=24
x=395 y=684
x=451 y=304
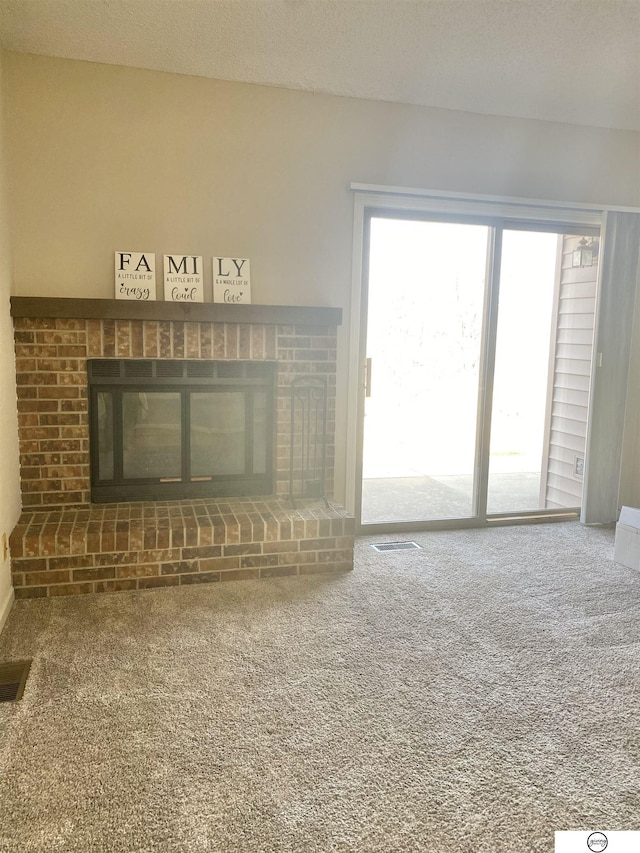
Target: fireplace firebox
x=163 y=429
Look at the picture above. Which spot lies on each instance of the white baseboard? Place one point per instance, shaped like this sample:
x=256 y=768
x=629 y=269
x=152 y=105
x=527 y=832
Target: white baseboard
x=5 y=607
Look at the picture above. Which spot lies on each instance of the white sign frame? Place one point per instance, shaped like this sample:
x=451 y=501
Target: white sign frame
x=232 y=281
x=135 y=276
x=183 y=278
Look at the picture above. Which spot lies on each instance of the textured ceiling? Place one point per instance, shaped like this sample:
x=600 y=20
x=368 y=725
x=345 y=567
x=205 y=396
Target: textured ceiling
x=576 y=61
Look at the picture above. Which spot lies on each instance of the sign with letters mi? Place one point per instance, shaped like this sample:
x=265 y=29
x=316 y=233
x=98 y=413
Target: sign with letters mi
x=231 y=280
x=183 y=278
x=136 y=276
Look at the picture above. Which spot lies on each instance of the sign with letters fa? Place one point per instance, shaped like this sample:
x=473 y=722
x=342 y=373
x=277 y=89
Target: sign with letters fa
x=183 y=278
x=136 y=276
x=232 y=280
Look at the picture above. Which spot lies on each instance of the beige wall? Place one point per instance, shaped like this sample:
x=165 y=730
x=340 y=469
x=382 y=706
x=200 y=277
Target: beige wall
x=106 y=158
x=9 y=474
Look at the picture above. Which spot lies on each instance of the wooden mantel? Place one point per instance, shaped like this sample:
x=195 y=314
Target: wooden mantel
x=206 y=312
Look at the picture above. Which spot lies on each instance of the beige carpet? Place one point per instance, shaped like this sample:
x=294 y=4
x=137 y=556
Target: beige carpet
x=475 y=695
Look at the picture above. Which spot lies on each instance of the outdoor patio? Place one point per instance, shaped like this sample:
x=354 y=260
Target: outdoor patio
x=395 y=499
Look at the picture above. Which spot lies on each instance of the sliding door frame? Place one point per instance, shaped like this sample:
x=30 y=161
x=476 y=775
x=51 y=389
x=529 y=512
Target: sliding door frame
x=485 y=377
x=498 y=214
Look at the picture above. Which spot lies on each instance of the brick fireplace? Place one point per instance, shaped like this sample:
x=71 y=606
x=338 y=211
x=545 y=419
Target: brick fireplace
x=63 y=544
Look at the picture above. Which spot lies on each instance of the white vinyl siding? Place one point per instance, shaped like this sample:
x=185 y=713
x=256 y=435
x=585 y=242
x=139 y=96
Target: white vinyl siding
x=570 y=374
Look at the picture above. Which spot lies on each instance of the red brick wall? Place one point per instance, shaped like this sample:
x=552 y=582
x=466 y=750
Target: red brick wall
x=51 y=368
x=115 y=547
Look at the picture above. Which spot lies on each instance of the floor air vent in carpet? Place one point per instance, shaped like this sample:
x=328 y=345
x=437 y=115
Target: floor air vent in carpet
x=396 y=546
x=13 y=677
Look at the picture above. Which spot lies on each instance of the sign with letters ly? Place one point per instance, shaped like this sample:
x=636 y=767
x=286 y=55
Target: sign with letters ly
x=183 y=278
x=136 y=276
x=232 y=280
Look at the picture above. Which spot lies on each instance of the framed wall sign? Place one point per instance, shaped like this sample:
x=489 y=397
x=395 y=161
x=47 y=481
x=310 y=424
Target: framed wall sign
x=136 y=276
x=232 y=280
x=183 y=278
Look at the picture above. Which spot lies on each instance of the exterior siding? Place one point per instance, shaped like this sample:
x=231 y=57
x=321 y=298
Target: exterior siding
x=570 y=374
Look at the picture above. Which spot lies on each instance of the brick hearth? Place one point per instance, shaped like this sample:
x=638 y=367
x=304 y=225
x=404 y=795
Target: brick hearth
x=65 y=545
x=111 y=547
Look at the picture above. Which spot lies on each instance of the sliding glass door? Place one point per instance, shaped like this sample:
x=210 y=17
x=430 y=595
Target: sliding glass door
x=478 y=357
x=424 y=338
x=542 y=370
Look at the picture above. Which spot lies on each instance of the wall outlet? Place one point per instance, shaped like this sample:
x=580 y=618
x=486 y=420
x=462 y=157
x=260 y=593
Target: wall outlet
x=579 y=466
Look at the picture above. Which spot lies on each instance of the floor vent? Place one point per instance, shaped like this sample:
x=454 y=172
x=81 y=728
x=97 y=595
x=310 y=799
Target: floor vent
x=396 y=546
x=13 y=677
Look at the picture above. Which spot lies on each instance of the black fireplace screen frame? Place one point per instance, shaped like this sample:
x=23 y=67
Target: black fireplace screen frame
x=184 y=377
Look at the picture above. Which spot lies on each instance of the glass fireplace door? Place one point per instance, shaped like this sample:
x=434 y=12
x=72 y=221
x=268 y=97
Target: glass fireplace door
x=218 y=433
x=152 y=435
x=205 y=429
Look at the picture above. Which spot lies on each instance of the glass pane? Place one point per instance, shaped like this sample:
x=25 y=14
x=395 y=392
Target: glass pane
x=217 y=433
x=259 y=432
x=425 y=307
x=543 y=365
x=104 y=401
x=151 y=429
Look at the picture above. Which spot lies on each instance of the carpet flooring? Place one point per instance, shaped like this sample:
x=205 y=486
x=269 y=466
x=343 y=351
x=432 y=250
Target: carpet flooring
x=477 y=694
